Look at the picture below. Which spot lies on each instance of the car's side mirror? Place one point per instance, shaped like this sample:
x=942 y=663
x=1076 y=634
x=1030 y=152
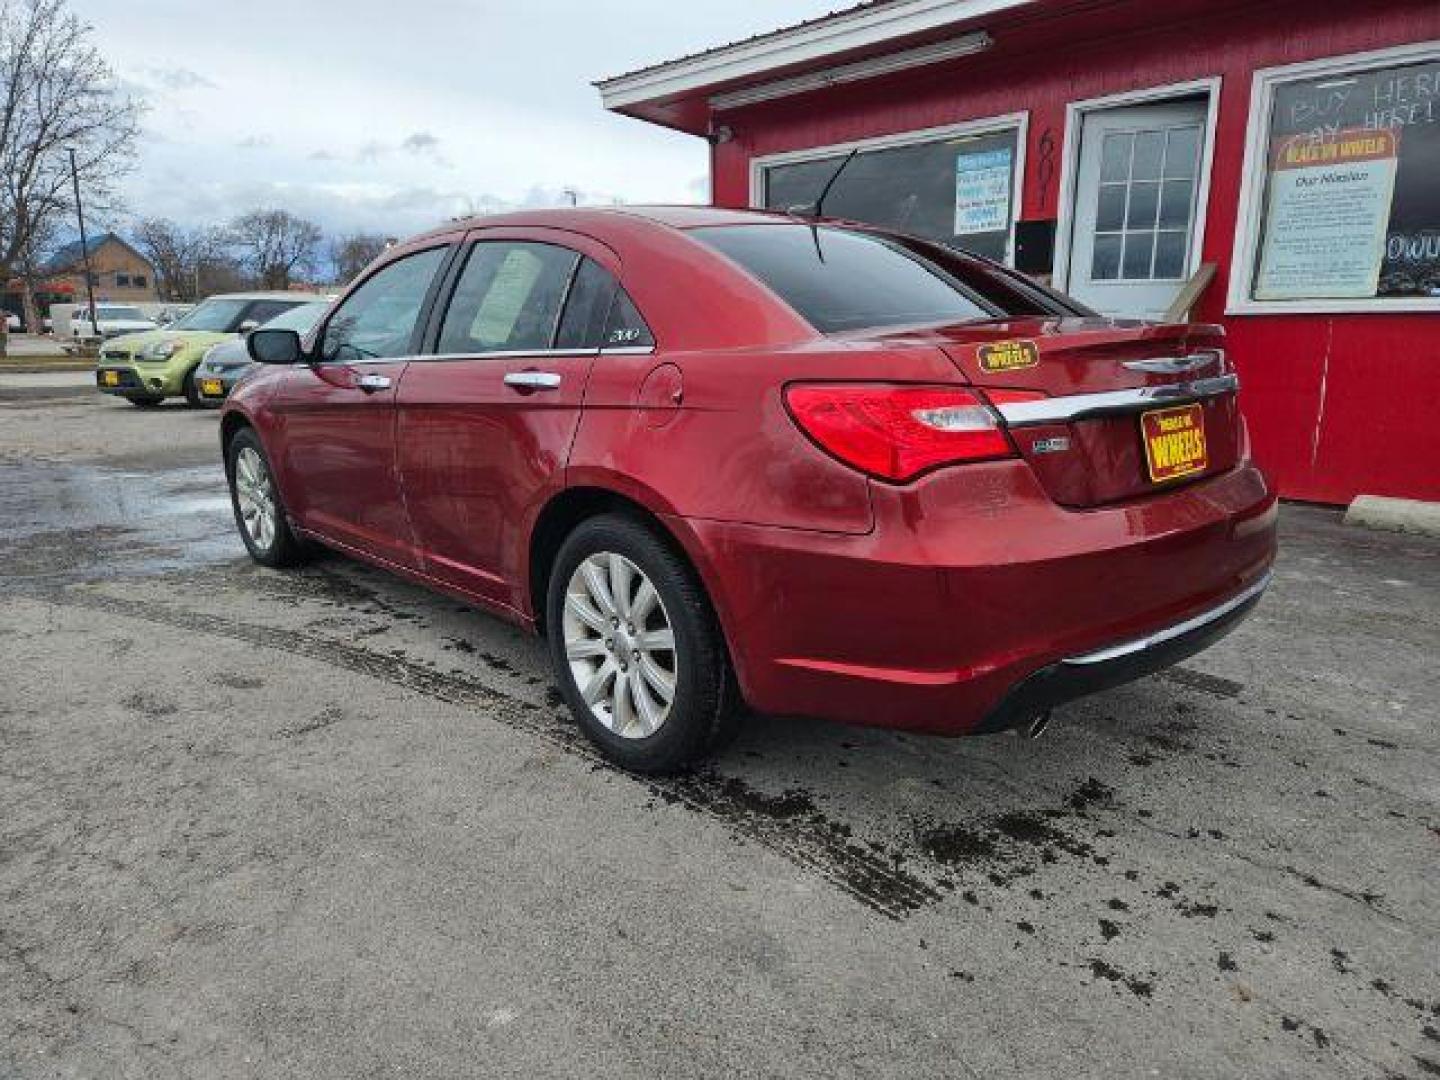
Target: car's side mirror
x=275 y=347
x=248 y=326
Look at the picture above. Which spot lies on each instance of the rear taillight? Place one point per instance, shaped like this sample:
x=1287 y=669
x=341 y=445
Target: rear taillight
x=898 y=432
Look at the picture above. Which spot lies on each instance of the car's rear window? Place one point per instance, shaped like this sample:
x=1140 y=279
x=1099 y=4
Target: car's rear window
x=847 y=279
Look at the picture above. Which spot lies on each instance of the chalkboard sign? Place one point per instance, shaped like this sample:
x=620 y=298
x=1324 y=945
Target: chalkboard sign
x=1353 y=188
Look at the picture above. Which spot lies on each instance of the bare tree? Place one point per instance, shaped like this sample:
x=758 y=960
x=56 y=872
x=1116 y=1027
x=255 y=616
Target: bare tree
x=274 y=245
x=179 y=255
x=56 y=94
x=29 y=270
x=351 y=254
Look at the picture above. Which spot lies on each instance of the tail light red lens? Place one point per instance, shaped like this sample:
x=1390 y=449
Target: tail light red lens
x=898 y=432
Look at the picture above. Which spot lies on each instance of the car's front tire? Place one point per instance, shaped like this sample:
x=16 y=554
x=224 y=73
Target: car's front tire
x=259 y=513
x=191 y=387
x=636 y=647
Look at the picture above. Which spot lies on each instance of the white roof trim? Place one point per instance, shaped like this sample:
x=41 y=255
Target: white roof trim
x=859 y=29
x=965 y=45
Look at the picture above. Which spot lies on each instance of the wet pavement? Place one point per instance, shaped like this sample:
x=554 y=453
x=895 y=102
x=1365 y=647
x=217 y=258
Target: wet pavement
x=325 y=823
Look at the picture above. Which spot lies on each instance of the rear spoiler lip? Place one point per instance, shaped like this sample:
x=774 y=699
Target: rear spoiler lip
x=1063 y=410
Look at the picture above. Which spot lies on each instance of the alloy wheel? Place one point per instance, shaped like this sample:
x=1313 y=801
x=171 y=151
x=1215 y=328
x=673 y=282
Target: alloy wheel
x=620 y=645
x=255 y=494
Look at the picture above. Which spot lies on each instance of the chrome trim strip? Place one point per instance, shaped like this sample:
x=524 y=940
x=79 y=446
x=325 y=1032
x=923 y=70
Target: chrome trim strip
x=1061 y=410
x=512 y=354
x=1171 y=632
x=1174 y=365
x=505 y=354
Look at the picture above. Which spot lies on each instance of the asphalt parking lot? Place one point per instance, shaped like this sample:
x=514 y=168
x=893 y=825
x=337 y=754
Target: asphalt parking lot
x=325 y=824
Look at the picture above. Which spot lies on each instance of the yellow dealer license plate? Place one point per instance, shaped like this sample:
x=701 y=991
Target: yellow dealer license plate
x=112 y=378
x=212 y=388
x=1174 y=442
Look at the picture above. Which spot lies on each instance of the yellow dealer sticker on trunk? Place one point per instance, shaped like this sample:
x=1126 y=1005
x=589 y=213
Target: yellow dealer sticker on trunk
x=1007 y=356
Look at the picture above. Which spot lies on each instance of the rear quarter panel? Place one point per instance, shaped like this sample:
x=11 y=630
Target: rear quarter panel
x=728 y=450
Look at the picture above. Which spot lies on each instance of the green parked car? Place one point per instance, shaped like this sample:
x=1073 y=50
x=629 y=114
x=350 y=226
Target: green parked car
x=147 y=368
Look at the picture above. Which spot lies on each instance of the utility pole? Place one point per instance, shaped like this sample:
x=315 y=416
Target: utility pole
x=84 y=245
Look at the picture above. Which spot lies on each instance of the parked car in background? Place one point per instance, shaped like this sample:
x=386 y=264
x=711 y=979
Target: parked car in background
x=13 y=323
x=112 y=320
x=227 y=363
x=147 y=368
x=718 y=457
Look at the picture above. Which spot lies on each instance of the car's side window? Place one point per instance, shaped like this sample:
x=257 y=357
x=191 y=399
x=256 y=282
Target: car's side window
x=262 y=311
x=377 y=320
x=625 y=329
x=582 y=326
x=508 y=298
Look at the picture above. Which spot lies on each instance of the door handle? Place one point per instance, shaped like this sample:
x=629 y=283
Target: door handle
x=371 y=383
x=533 y=380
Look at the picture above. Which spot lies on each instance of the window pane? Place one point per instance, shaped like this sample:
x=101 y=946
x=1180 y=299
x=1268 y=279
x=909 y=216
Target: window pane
x=1351 y=206
x=842 y=279
x=1182 y=158
x=378 y=319
x=1175 y=205
x=262 y=311
x=1110 y=215
x=1170 y=255
x=582 y=326
x=948 y=190
x=625 y=328
x=1139 y=247
x=508 y=298
x=1106 y=264
x=1115 y=157
x=1144 y=203
x=1149 y=155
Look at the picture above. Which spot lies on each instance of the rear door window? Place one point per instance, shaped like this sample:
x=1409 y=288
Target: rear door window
x=626 y=329
x=508 y=298
x=582 y=326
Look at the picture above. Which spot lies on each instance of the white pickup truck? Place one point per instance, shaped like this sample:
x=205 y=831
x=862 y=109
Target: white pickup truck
x=73 y=321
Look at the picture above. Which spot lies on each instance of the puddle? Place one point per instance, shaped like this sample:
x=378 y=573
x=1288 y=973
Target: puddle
x=73 y=523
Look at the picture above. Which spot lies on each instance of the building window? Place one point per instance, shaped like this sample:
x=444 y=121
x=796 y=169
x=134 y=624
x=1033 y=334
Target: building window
x=1341 y=209
x=957 y=185
x=122 y=281
x=1146 y=204
x=138 y=280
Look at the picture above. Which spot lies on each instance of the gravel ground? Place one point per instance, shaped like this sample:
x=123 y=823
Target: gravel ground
x=326 y=824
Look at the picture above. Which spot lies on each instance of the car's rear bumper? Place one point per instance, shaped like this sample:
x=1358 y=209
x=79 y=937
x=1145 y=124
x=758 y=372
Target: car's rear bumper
x=968 y=605
x=1077 y=676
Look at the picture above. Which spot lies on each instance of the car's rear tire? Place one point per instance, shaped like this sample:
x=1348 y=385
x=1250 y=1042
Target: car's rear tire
x=192 y=391
x=636 y=648
x=145 y=402
x=259 y=513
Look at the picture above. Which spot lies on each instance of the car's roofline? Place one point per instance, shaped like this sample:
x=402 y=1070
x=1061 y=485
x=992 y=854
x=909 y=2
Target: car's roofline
x=276 y=294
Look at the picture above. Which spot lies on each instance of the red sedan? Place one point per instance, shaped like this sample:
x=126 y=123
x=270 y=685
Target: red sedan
x=723 y=459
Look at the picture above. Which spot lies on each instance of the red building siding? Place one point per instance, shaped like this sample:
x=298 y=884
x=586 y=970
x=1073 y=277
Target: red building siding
x=1339 y=405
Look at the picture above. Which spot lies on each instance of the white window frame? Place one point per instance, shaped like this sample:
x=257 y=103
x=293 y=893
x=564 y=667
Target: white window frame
x=1018 y=122
x=1075 y=113
x=1256 y=173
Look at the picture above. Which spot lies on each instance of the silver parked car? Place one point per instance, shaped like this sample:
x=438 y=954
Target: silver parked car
x=227 y=363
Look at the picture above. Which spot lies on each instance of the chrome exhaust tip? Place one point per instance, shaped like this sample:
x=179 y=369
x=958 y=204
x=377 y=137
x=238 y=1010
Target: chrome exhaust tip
x=1036 y=727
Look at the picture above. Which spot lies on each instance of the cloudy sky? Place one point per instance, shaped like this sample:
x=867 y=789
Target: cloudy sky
x=387 y=115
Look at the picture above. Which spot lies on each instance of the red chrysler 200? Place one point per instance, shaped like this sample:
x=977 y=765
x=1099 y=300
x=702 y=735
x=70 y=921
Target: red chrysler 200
x=725 y=459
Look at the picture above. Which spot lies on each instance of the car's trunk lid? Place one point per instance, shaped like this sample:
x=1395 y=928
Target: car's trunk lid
x=1103 y=410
